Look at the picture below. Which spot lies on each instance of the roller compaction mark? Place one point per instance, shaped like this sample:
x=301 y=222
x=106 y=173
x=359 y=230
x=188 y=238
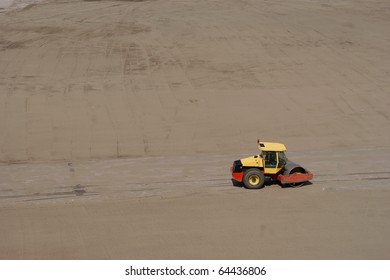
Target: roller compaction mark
x=363 y=176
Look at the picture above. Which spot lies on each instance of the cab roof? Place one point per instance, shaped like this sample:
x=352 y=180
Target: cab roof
x=272 y=147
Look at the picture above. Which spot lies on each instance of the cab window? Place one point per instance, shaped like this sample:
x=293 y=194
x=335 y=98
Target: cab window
x=281 y=159
x=270 y=159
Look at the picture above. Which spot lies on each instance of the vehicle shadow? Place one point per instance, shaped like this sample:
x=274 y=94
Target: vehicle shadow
x=269 y=182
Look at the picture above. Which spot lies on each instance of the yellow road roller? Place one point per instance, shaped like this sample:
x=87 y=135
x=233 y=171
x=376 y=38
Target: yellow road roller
x=270 y=165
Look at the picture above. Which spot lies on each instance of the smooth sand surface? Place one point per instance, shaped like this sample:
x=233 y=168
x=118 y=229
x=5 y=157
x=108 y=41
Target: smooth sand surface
x=119 y=121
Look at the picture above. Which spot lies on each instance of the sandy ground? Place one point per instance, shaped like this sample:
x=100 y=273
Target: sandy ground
x=119 y=121
x=9 y=5
x=186 y=208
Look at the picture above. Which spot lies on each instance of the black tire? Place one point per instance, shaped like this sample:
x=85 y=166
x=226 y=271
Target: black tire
x=253 y=179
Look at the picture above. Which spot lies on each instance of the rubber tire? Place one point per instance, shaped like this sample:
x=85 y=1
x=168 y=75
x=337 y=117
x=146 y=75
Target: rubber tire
x=253 y=172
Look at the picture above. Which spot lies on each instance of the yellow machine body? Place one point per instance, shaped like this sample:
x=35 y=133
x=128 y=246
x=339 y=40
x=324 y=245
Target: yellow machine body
x=271 y=152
